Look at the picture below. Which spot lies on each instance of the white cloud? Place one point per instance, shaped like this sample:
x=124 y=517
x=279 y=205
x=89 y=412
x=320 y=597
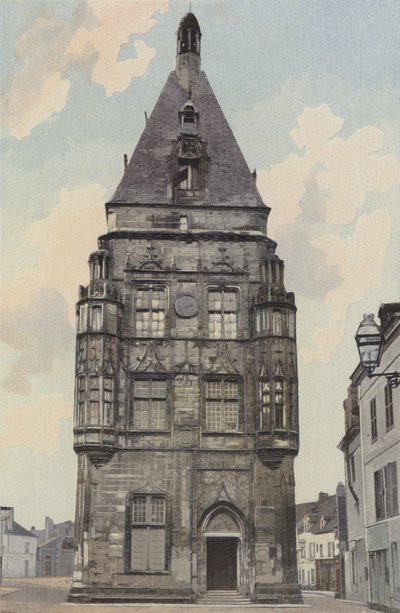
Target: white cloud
x=90 y=43
x=36 y=426
x=316 y=197
x=347 y=170
x=38 y=306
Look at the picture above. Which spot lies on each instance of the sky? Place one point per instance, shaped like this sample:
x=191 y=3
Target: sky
x=311 y=91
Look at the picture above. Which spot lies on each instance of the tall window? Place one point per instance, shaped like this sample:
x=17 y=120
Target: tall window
x=108 y=401
x=277 y=323
x=265 y=397
x=279 y=404
x=273 y=413
x=94 y=400
x=222 y=405
x=149 y=404
x=374 y=423
x=148 y=533
x=150 y=311
x=385 y=484
x=96 y=318
x=82 y=317
x=389 y=407
x=80 y=400
x=222 y=313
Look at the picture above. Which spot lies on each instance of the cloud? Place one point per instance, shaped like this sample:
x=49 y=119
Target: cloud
x=40 y=331
x=38 y=306
x=36 y=426
x=90 y=43
x=346 y=169
x=316 y=197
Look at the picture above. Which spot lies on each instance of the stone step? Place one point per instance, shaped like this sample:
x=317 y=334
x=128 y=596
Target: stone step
x=229 y=597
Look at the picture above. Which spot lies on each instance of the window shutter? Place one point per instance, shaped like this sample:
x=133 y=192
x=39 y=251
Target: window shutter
x=157 y=548
x=394 y=506
x=139 y=548
x=378 y=494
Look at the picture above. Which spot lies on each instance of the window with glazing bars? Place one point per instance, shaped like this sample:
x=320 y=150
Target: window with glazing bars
x=148 y=533
x=265 y=398
x=150 y=311
x=150 y=404
x=222 y=405
x=279 y=408
x=222 y=313
x=80 y=400
x=108 y=401
x=94 y=400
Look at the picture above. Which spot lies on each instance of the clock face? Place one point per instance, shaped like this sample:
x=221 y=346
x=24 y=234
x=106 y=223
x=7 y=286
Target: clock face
x=186 y=306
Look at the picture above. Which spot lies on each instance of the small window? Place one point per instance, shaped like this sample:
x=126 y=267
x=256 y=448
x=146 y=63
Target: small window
x=374 y=423
x=148 y=533
x=389 y=407
x=183 y=223
x=321 y=551
x=222 y=313
x=26 y=547
x=329 y=550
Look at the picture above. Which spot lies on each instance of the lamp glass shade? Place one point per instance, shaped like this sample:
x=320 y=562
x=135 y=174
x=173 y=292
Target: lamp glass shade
x=369 y=343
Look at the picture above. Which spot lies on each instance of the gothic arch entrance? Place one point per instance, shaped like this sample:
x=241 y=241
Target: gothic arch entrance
x=223 y=551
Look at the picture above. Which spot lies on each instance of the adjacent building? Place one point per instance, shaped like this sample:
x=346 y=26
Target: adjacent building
x=17 y=547
x=186 y=412
x=55 y=549
x=371 y=448
x=318 y=544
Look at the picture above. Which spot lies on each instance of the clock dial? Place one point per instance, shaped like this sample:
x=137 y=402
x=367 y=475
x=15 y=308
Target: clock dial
x=186 y=306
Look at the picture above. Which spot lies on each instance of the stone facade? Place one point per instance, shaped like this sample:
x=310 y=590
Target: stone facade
x=186 y=418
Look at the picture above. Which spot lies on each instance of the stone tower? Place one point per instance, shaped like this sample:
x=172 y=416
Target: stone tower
x=186 y=418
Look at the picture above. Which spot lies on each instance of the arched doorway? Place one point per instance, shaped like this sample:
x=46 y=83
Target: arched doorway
x=223 y=550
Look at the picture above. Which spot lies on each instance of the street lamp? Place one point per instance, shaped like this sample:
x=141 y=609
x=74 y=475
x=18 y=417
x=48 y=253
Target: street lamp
x=370 y=342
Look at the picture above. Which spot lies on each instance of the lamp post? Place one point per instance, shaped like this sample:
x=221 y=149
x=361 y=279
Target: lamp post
x=370 y=342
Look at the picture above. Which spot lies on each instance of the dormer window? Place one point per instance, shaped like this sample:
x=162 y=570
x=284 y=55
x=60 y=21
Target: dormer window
x=188 y=118
x=188 y=115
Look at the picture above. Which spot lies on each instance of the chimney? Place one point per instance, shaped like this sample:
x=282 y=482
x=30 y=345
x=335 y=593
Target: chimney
x=322 y=496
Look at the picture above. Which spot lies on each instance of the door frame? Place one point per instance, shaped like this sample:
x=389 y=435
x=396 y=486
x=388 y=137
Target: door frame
x=240 y=534
x=219 y=537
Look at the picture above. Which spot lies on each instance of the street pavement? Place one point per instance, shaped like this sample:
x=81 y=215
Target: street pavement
x=34 y=598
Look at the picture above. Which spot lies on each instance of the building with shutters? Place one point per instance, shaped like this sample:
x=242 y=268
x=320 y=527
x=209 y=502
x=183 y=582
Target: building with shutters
x=371 y=448
x=17 y=547
x=186 y=414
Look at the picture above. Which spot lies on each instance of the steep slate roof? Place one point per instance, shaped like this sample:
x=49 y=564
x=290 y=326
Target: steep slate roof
x=229 y=180
x=314 y=511
x=19 y=530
